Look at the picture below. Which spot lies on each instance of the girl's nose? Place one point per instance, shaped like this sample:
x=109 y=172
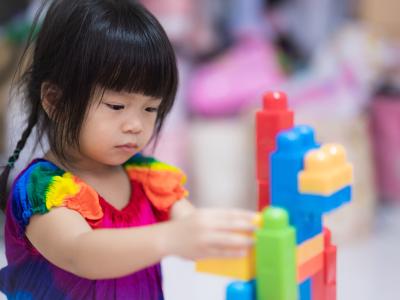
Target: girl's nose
x=132 y=126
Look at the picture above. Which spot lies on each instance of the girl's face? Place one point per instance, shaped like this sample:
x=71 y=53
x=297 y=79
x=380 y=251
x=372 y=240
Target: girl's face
x=117 y=126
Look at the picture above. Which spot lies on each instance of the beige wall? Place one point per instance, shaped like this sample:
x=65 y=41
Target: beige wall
x=9 y=55
x=382 y=16
x=4 y=60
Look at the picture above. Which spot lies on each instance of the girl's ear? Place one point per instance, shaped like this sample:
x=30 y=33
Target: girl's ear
x=49 y=93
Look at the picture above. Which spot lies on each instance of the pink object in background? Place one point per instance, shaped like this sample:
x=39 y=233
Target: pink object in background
x=175 y=16
x=385 y=129
x=236 y=79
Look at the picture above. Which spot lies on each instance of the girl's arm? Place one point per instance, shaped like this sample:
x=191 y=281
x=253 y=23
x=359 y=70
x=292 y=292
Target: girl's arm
x=64 y=238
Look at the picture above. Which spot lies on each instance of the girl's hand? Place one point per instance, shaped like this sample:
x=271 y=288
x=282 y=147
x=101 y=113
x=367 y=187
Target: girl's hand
x=211 y=233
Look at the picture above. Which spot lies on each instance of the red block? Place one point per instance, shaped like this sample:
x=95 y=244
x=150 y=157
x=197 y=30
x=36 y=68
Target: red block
x=267 y=128
x=321 y=290
x=263 y=195
x=318 y=287
x=324 y=282
x=329 y=259
x=274 y=118
x=330 y=292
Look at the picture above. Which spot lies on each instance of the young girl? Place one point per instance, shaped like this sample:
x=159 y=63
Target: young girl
x=93 y=218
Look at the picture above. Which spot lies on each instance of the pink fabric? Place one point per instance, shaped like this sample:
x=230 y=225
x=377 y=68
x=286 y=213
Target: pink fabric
x=235 y=80
x=385 y=128
x=29 y=275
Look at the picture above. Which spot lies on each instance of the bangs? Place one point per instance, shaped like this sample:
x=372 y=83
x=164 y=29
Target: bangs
x=129 y=55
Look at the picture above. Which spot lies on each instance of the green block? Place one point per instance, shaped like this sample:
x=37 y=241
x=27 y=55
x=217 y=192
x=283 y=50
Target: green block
x=276 y=257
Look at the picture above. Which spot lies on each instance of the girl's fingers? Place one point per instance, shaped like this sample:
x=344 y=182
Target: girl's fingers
x=233 y=220
x=246 y=215
x=235 y=225
x=227 y=245
x=216 y=253
x=234 y=214
x=230 y=241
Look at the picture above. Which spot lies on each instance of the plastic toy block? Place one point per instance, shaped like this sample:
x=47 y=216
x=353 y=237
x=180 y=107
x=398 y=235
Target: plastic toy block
x=324 y=282
x=274 y=117
x=307 y=134
x=310 y=249
x=321 y=290
x=305 y=210
x=287 y=162
x=293 y=257
x=308 y=225
x=330 y=265
x=330 y=292
x=320 y=204
x=275 y=257
x=258 y=220
x=329 y=259
x=325 y=171
x=305 y=290
x=239 y=268
x=310 y=268
x=240 y=290
x=263 y=195
x=318 y=286
x=243 y=268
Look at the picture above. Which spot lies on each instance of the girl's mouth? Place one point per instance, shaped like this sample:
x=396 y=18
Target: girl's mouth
x=128 y=147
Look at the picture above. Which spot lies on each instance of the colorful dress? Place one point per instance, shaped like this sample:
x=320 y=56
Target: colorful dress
x=42 y=186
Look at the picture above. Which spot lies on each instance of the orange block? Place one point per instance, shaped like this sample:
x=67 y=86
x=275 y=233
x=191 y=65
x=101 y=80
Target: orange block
x=309 y=249
x=326 y=171
x=310 y=268
x=243 y=268
x=238 y=268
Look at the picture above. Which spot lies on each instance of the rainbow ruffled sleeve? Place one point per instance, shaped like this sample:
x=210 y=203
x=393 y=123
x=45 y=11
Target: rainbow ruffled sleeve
x=162 y=183
x=43 y=186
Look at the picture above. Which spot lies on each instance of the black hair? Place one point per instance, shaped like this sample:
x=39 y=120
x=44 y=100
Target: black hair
x=84 y=44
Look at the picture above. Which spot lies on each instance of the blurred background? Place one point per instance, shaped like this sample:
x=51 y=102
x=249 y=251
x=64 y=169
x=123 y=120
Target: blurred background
x=339 y=63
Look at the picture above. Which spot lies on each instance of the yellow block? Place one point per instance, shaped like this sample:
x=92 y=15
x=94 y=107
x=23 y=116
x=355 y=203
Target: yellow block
x=309 y=249
x=243 y=268
x=326 y=171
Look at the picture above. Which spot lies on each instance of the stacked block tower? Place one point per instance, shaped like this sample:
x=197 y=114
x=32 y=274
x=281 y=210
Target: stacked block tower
x=299 y=181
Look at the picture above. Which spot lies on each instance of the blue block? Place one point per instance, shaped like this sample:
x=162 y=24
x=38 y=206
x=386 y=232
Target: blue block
x=307 y=226
x=305 y=210
x=308 y=136
x=320 y=204
x=241 y=290
x=287 y=161
x=308 y=216
x=305 y=290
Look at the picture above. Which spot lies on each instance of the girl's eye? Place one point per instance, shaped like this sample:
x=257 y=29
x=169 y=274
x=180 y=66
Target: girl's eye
x=152 y=109
x=115 y=106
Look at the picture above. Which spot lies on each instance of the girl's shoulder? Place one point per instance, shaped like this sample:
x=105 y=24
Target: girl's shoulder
x=149 y=164
x=162 y=182
x=43 y=186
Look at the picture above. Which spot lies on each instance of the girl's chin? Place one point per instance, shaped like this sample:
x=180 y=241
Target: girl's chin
x=119 y=160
